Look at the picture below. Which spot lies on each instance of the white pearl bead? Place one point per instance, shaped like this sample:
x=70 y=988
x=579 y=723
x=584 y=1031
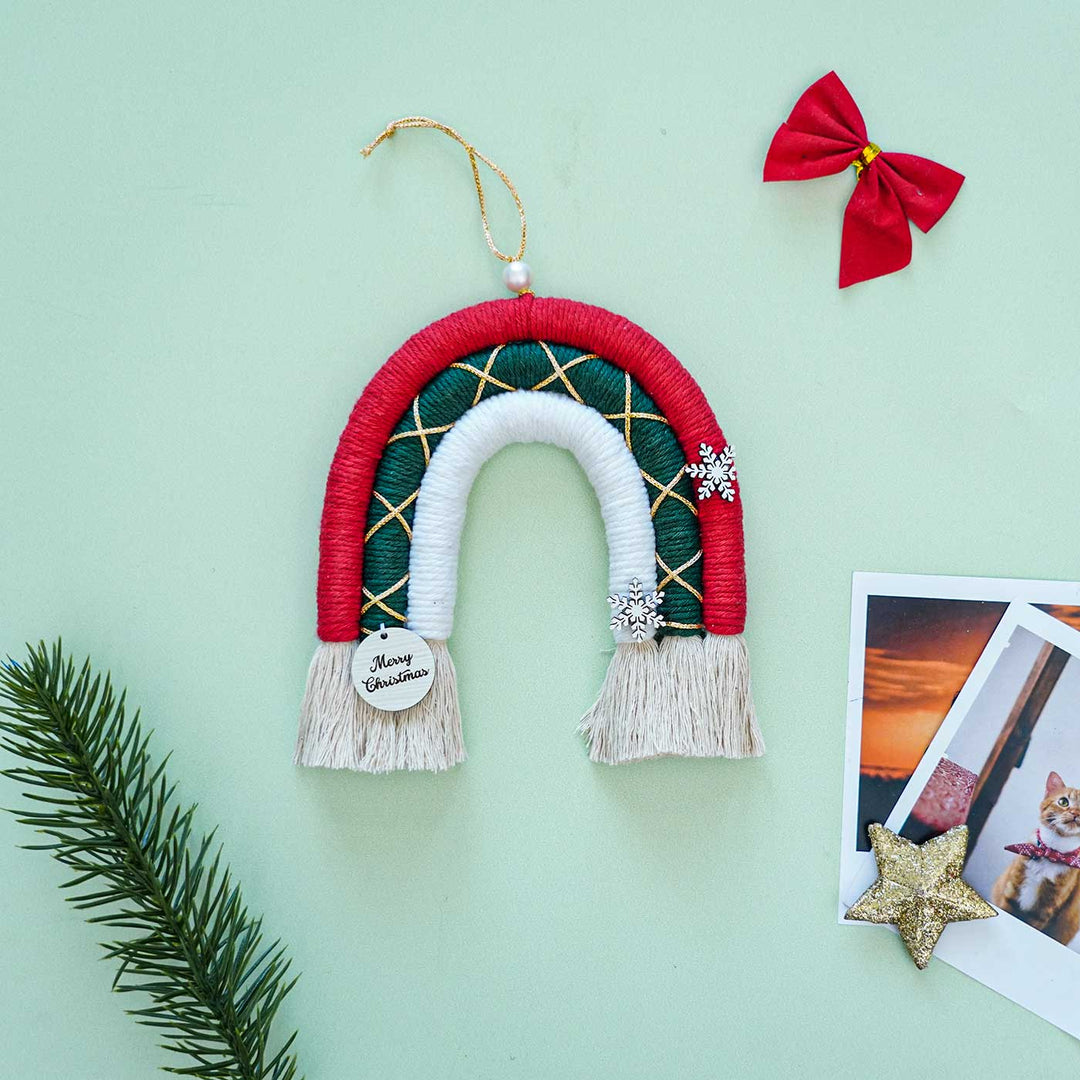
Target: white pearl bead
x=517 y=276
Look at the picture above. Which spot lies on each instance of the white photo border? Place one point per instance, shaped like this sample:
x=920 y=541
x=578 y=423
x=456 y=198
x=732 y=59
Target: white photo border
x=855 y=865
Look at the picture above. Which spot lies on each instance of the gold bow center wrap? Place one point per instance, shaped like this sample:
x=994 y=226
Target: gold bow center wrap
x=866 y=155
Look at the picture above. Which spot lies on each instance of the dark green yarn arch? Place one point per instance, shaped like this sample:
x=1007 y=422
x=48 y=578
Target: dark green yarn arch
x=530 y=365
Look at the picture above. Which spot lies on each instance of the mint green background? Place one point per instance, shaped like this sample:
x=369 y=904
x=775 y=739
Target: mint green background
x=197 y=276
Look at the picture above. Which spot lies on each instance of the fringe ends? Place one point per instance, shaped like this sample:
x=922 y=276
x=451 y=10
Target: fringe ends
x=633 y=716
x=689 y=696
x=735 y=720
x=339 y=730
x=425 y=736
x=329 y=713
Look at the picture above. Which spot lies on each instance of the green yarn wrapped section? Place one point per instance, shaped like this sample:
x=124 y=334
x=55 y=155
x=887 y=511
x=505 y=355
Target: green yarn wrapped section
x=532 y=365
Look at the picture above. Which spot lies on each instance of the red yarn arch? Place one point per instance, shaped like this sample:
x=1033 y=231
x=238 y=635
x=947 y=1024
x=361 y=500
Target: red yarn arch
x=525 y=318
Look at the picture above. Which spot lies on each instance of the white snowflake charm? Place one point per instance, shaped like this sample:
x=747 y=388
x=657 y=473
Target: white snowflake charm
x=715 y=473
x=636 y=611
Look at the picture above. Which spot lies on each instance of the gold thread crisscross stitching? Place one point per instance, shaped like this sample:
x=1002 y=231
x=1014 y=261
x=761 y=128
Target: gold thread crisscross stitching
x=674 y=575
x=560 y=373
x=379 y=601
x=560 y=368
x=627 y=416
x=668 y=490
x=395 y=512
x=420 y=431
x=485 y=376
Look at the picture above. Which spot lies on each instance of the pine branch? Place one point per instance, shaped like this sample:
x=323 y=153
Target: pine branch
x=108 y=812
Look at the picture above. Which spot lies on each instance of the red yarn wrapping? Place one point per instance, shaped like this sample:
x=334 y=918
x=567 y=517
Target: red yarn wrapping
x=525 y=318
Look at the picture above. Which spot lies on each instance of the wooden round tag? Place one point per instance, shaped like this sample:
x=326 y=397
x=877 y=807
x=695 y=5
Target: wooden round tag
x=393 y=668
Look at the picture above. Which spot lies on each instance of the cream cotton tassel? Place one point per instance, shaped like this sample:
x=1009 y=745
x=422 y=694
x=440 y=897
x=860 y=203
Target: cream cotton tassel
x=425 y=736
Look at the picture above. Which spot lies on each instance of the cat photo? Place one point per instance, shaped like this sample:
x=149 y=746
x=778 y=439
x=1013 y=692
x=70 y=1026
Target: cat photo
x=1041 y=885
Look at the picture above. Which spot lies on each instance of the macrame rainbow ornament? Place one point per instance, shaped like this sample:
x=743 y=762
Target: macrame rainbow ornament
x=520 y=370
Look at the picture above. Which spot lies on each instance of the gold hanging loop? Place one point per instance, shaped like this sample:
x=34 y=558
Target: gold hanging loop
x=474 y=157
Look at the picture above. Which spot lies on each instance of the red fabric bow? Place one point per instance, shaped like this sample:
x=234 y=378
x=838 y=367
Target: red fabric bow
x=824 y=134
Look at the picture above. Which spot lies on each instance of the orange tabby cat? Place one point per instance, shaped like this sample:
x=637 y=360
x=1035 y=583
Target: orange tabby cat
x=1042 y=884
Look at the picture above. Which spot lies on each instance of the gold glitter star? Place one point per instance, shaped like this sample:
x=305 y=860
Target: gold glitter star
x=919 y=889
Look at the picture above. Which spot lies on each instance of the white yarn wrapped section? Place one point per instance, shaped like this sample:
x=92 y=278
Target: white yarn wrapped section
x=520 y=417
x=530 y=416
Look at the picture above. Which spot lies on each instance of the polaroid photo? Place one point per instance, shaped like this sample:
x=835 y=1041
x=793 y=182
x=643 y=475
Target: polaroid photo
x=1006 y=762
x=914 y=641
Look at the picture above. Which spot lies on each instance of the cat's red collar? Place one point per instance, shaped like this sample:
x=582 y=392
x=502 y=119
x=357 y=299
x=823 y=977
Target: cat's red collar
x=1039 y=850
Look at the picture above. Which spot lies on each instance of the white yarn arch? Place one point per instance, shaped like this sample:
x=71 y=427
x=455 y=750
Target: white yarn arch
x=520 y=417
